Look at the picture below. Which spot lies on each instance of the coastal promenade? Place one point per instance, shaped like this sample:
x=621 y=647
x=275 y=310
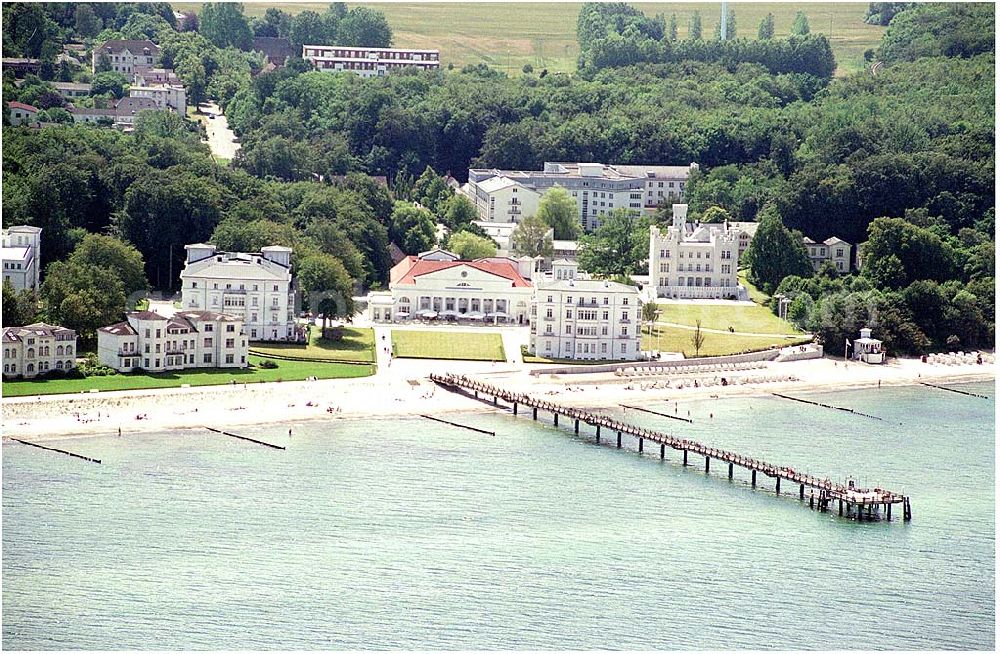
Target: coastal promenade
x=862 y=502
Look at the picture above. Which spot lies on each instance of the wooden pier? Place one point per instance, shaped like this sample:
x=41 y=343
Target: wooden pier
x=858 y=503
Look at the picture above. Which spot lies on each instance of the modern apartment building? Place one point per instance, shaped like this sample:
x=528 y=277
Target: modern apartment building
x=586 y=319
x=126 y=56
x=256 y=286
x=37 y=349
x=509 y=195
x=694 y=260
x=22 y=256
x=369 y=62
x=149 y=341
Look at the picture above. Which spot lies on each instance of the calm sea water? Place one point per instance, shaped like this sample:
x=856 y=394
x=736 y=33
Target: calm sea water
x=410 y=534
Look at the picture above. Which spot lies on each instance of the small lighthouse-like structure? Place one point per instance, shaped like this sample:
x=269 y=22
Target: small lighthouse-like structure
x=868 y=349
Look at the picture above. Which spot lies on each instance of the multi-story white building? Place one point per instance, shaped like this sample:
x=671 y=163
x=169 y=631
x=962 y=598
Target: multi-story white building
x=257 y=286
x=22 y=256
x=188 y=339
x=694 y=260
x=438 y=285
x=832 y=249
x=502 y=200
x=588 y=319
x=509 y=195
x=167 y=97
x=369 y=62
x=37 y=349
x=126 y=56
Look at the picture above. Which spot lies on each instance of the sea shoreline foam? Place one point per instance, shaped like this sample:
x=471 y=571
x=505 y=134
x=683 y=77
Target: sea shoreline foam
x=404 y=390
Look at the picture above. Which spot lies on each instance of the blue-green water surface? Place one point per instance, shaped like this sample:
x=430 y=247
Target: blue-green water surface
x=405 y=533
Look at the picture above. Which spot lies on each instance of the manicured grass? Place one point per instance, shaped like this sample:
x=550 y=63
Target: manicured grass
x=286 y=371
x=358 y=345
x=678 y=339
x=742 y=318
x=508 y=36
x=469 y=346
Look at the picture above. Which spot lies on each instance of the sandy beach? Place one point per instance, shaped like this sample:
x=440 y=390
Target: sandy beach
x=403 y=389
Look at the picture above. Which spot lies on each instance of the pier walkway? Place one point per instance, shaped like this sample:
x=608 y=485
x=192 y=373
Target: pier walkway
x=822 y=491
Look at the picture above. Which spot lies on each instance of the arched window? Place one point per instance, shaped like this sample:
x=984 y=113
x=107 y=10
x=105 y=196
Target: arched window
x=59 y=350
x=404 y=300
x=69 y=365
x=69 y=349
x=30 y=368
x=31 y=353
x=59 y=365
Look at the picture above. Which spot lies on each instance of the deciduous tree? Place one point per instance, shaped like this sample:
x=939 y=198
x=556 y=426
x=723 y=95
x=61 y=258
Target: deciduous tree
x=532 y=238
x=558 y=210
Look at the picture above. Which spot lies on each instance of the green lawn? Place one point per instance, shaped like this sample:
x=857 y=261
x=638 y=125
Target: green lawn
x=469 y=346
x=286 y=371
x=742 y=318
x=509 y=36
x=677 y=339
x=358 y=345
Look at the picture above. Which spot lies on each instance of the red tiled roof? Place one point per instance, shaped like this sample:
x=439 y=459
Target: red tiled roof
x=407 y=270
x=21 y=105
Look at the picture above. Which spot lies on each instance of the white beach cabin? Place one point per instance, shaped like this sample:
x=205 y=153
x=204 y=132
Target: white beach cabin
x=868 y=349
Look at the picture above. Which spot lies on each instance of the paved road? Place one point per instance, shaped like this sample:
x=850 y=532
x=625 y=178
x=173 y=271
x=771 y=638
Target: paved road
x=220 y=137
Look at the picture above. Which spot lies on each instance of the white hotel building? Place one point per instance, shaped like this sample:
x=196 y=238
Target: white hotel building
x=585 y=319
x=256 y=286
x=22 y=256
x=37 y=349
x=694 y=260
x=369 y=62
x=439 y=286
x=167 y=97
x=510 y=195
x=149 y=341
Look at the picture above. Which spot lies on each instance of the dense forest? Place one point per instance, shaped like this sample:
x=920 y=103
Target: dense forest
x=900 y=156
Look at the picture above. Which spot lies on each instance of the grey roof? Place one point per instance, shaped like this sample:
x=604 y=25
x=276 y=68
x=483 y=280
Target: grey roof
x=132 y=105
x=119 y=329
x=145 y=315
x=36 y=329
x=135 y=46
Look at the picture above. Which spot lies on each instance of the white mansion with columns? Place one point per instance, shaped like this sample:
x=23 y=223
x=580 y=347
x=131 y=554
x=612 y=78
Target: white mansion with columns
x=438 y=285
x=694 y=260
